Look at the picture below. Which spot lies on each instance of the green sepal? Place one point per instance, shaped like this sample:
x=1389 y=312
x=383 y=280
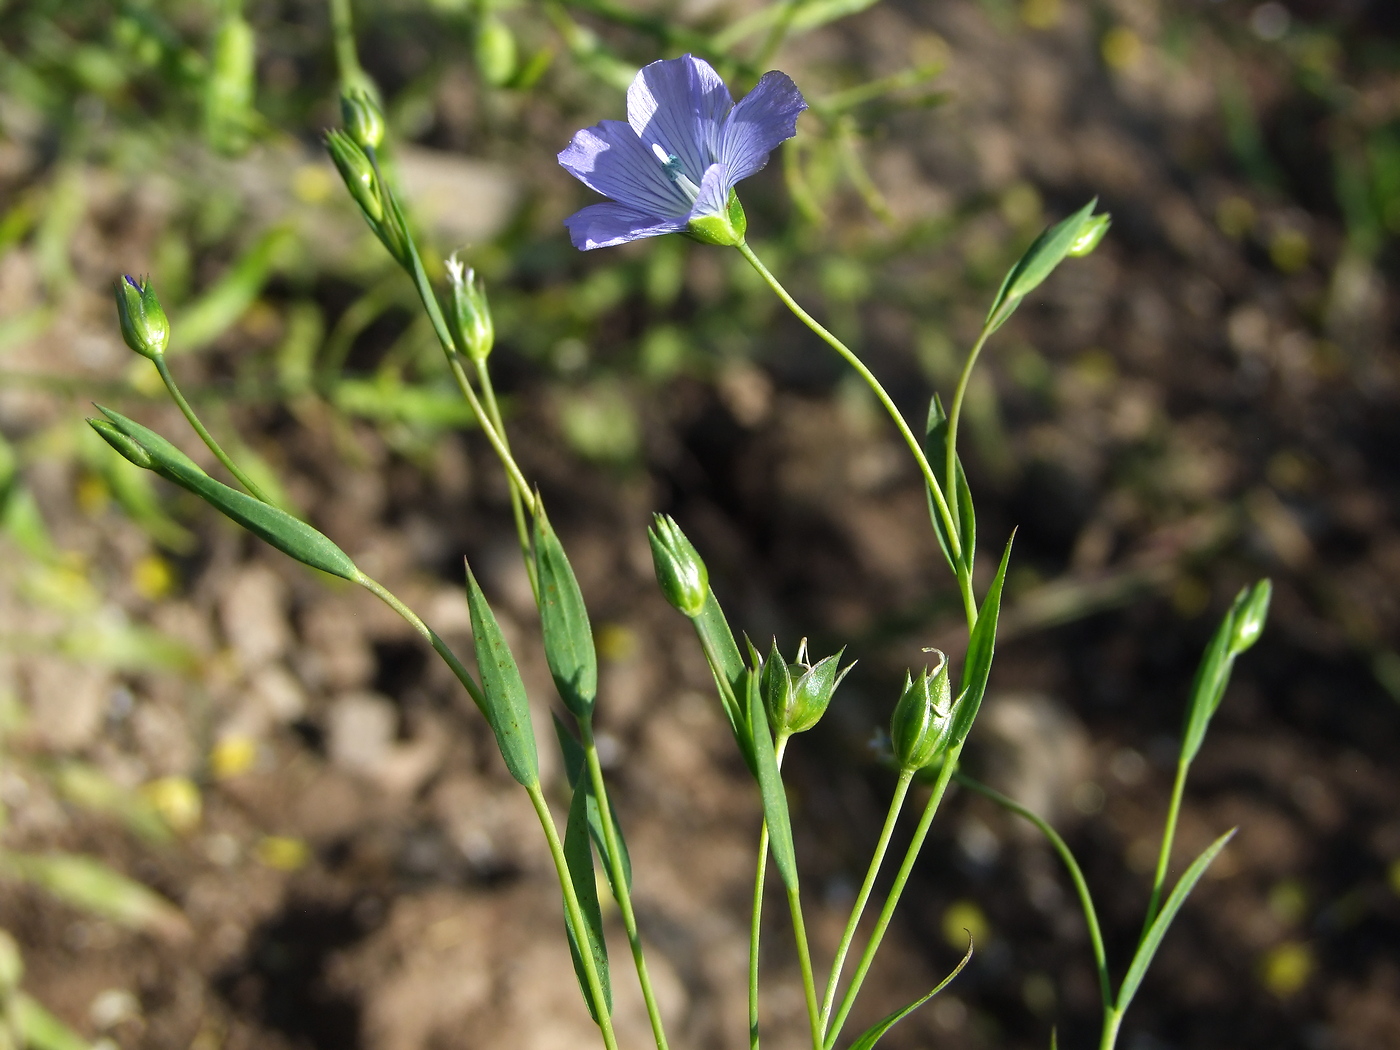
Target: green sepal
x=507 y=708
x=958 y=494
x=981 y=647
x=576 y=766
x=1238 y=630
x=578 y=855
x=726 y=230
x=872 y=1035
x=1152 y=939
x=770 y=787
x=1040 y=259
x=568 y=636
x=290 y=535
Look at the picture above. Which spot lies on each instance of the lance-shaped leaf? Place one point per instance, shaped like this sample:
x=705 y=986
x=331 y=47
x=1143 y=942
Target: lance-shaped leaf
x=981 y=647
x=290 y=535
x=41 y=1030
x=1045 y=253
x=1239 y=629
x=872 y=1035
x=576 y=767
x=87 y=883
x=506 y=706
x=958 y=494
x=568 y=637
x=1152 y=939
x=579 y=857
x=731 y=675
x=770 y=787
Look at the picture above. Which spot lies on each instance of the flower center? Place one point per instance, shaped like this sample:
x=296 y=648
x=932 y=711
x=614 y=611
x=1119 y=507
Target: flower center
x=675 y=171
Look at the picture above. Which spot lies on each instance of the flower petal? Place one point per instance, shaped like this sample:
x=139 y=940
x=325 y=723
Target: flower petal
x=713 y=198
x=764 y=117
x=604 y=225
x=609 y=158
x=679 y=104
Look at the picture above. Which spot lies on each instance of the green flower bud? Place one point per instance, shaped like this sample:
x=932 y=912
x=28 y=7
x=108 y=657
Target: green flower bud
x=797 y=697
x=469 y=316
x=1089 y=235
x=1252 y=612
x=358 y=173
x=364 y=123
x=923 y=718
x=143 y=322
x=726 y=230
x=129 y=447
x=679 y=569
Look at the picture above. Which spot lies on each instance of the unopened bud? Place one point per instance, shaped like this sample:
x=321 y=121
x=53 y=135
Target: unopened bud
x=128 y=447
x=923 y=718
x=358 y=173
x=364 y=123
x=1253 y=611
x=679 y=569
x=1089 y=236
x=143 y=322
x=470 y=315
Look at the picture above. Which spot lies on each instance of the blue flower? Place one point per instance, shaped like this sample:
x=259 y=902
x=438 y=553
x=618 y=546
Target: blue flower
x=671 y=168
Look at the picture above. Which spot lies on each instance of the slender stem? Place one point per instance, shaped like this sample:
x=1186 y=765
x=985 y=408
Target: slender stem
x=343 y=31
x=199 y=428
x=1086 y=902
x=955 y=411
x=940 y=788
x=1112 y=1019
x=901 y=790
x=756 y=920
x=517 y=509
x=804 y=959
x=561 y=867
x=855 y=362
x=1159 y=880
x=619 y=880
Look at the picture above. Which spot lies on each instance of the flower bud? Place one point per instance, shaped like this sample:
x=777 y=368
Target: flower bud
x=469 y=316
x=1249 y=620
x=1089 y=236
x=129 y=448
x=679 y=569
x=364 y=123
x=923 y=718
x=143 y=322
x=360 y=177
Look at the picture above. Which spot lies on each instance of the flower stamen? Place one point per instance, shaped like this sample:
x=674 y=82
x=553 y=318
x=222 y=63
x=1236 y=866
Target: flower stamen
x=675 y=171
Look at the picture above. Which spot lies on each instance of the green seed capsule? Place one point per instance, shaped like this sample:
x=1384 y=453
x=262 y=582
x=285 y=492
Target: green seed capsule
x=470 y=315
x=922 y=719
x=797 y=697
x=358 y=173
x=1249 y=621
x=364 y=123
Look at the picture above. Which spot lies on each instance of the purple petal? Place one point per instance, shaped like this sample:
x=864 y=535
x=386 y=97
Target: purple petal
x=679 y=104
x=764 y=117
x=714 y=193
x=609 y=158
x=604 y=225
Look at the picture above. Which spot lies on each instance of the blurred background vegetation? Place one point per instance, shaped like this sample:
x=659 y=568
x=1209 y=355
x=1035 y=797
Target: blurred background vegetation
x=244 y=809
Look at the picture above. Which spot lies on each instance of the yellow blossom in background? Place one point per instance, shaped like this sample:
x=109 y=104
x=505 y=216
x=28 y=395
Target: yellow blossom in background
x=1121 y=48
x=152 y=577
x=1286 y=968
x=1041 y=14
x=282 y=852
x=233 y=755
x=177 y=800
x=962 y=919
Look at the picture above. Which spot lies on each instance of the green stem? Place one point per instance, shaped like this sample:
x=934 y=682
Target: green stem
x=343 y=32
x=756 y=921
x=901 y=790
x=955 y=411
x=804 y=960
x=619 y=880
x=1086 y=902
x=561 y=867
x=223 y=457
x=936 y=490
x=1112 y=1020
x=517 y=509
x=1159 y=880
x=940 y=788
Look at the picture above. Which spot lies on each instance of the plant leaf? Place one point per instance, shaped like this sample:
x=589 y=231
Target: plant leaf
x=770 y=786
x=1040 y=259
x=88 y=884
x=40 y=1029
x=290 y=535
x=872 y=1035
x=575 y=766
x=507 y=707
x=958 y=494
x=731 y=674
x=1152 y=939
x=568 y=637
x=578 y=854
x=980 y=649
x=1212 y=676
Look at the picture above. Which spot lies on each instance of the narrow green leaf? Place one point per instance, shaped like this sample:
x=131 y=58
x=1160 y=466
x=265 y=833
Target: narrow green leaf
x=575 y=766
x=568 y=637
x=872 y=1035
x=40 y=1029
x=731 y=674
x=1045 y=253
x=1152 y=939
x=770 y=786
x=507 y=707
x=288 y=534
x=87 y=883
x=1054 y=1039
x=980 y=649
x=958 y=494
x=579 y=857
x=1212 y=677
